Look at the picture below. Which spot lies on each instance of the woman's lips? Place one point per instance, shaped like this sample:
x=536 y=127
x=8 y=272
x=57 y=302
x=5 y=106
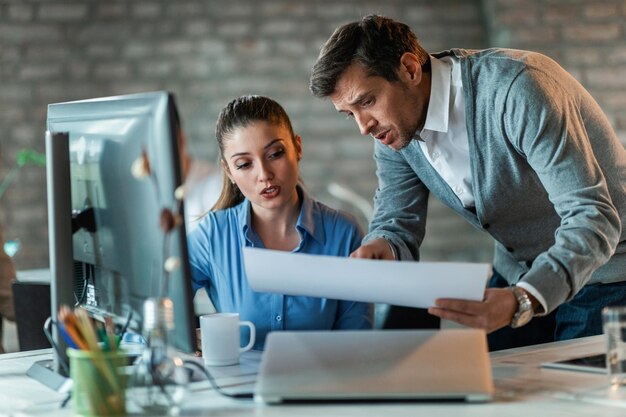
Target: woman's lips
x=271 y=191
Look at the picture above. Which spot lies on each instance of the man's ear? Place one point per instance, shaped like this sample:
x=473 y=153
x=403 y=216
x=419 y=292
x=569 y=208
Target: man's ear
x=410 y=68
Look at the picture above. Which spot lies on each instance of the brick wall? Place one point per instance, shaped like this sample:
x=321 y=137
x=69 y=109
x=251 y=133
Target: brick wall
x=208 y=52
x=588 y=38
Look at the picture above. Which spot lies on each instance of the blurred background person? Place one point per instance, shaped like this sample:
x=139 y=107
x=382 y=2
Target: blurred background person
x=203 y=184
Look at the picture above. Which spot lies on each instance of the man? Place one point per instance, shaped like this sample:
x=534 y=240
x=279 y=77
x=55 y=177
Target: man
x=512 y=143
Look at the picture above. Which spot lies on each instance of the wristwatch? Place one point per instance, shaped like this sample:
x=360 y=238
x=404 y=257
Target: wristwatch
x=524 y=308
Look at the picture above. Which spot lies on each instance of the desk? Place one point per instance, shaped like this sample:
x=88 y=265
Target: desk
x=522 y=389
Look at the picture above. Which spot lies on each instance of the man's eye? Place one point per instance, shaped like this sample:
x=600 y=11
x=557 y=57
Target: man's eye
x=367 y=103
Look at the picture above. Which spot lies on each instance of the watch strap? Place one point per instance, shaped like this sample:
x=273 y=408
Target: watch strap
x=524 y=311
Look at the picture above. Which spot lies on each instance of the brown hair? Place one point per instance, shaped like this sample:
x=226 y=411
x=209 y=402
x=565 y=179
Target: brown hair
x=375 y=42
x=240 y=112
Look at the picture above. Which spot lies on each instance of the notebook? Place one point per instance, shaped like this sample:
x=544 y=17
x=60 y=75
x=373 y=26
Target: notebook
x=379 y=365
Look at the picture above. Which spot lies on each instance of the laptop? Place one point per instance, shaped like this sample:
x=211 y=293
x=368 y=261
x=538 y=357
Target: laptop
x=379 y=365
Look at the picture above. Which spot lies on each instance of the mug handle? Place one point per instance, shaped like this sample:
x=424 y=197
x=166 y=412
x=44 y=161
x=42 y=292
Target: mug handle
x=252 y=336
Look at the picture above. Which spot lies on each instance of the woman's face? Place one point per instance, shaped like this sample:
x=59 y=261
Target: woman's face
x=262 y=159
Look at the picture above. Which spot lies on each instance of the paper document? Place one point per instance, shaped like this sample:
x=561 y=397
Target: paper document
x=411 y=284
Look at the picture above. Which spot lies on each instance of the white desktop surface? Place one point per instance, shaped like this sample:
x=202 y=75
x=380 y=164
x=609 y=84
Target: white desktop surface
x=34 y=275
x=523 y=389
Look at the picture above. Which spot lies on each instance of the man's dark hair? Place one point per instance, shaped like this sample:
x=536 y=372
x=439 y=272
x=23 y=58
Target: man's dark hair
x=375 y=42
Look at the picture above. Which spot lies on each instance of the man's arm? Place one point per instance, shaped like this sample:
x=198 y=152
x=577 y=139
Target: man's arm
x=400 y=206
x=549 y=120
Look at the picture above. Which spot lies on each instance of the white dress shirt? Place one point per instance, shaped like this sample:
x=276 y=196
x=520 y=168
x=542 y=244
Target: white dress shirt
x=444 y=136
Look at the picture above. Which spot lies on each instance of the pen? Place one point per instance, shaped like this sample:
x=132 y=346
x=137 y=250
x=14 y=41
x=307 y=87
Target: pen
x=86 y=329
x=103 y=338
x=66 y=336
x=110 y=333
x=67 y=318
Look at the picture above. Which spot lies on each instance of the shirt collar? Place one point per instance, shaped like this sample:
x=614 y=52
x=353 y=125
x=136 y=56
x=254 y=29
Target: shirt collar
x=438 y=112
x=309 y=220
x=244 y=217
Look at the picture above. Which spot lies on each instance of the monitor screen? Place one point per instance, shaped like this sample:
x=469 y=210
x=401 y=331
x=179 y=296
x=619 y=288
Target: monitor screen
x=108 y=217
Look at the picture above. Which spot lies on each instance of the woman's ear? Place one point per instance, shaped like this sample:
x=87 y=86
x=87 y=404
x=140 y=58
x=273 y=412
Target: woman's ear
x=227 y=171
x=298 y=143
x=410 y=68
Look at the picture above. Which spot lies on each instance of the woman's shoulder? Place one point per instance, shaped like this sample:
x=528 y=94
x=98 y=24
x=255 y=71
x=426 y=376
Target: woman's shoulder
x=335 y=217
x=219 y=220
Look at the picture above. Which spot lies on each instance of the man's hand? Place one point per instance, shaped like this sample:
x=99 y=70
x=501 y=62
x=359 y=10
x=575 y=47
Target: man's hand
x=375 y=249
x=495 y=311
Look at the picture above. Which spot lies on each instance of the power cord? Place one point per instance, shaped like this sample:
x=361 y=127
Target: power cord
x=124 y=328
x=46 y=331
x=217 y=388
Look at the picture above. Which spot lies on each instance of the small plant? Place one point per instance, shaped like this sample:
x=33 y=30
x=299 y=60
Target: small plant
x=24 y=157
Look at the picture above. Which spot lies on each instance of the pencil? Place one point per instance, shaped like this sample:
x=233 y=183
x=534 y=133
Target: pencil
x=67 y=318
x=68 y=339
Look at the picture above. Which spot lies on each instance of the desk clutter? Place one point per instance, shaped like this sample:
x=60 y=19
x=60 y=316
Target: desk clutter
x=101 y=378
x=81 y=332
x=110 y=377
x=96 y=364
x=295 y=366
x=99 y=383
x=522 y=388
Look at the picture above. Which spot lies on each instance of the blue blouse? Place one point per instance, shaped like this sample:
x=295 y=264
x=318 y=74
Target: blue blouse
x=216 y=259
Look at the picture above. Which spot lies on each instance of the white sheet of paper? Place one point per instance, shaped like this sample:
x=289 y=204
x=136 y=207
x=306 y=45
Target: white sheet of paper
x=411 y=284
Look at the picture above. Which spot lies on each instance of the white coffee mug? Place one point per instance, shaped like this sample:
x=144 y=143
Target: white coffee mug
x=221 y=340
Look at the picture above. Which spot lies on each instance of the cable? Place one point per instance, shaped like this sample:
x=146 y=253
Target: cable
x=67 y=399
x=126 y=324
x=88 y=273
x=46 y=331
x=239 y=396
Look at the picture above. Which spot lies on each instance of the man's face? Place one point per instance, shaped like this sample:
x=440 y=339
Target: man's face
x=388 y=111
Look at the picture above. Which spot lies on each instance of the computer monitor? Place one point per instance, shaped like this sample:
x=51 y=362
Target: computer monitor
x=106 y=247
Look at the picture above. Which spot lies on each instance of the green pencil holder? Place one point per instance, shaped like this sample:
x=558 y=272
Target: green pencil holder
x=99 y=383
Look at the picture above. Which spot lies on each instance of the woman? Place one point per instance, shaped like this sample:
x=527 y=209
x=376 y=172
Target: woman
x=263 y=205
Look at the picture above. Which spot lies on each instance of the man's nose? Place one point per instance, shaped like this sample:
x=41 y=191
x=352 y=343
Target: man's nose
x=366 y=123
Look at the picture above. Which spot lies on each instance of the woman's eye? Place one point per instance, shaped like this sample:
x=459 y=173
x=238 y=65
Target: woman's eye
x=277 y=154
x=242 y=165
